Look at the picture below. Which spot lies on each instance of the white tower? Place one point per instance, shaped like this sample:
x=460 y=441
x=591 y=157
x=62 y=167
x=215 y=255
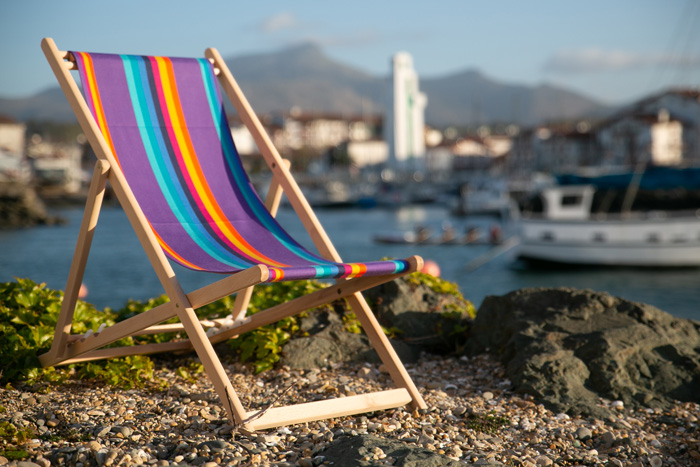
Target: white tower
x=404 y=129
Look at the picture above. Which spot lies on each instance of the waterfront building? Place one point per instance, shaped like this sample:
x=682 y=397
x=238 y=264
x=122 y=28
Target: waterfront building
x=404 y=128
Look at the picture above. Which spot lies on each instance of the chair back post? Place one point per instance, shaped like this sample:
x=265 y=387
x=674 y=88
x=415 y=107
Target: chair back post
x=161 y=266
x=274 y=161
x=60 y=67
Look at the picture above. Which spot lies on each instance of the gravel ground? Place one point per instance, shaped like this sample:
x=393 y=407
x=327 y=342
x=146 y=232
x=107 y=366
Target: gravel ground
x=474 y=418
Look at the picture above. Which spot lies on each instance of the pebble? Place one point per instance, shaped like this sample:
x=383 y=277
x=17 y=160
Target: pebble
x=583 y=433
x=617 y=405
x=182 y=422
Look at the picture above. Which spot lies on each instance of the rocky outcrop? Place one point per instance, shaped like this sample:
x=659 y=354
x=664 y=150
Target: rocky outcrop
x=330 y=341
x=417 y=317
x=423 y=317
x=20 y=206
x=576 y=349
x=368 y=450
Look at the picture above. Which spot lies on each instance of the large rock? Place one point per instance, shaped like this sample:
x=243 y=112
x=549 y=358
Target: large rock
x=329 y=342
x=418 y=318
x=432 y=321
x=570 y=348
x=351 y=451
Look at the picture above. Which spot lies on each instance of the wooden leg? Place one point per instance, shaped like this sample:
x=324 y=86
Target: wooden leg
x=240 y=306
x=212 y=365
x=383 y=347
x=82 y=249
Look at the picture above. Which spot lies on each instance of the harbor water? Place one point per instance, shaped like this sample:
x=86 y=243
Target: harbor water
x=118 y=270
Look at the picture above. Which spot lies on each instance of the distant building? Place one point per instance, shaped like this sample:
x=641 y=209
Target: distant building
x=315 y=132
x=12 y=136
x=56 y=164
x=404 y=129
x=683 y=106
x=661 y=130
x=640 y=139
x=13 y=163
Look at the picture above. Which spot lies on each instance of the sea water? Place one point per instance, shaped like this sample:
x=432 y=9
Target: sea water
x=118 y=269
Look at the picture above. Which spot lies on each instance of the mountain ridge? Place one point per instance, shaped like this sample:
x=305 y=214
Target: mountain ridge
x=303 y=76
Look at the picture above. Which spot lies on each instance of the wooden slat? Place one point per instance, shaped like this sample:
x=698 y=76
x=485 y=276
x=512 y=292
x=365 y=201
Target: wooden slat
x=283 y=310
x=130 y=350
x=275 y=192
x=147 y=319
x=329 y=408
x=228 y=285
x=82 y=249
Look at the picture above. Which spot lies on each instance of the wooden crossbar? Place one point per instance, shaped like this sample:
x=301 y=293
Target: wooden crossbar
x=340 y=407
x=154 y=316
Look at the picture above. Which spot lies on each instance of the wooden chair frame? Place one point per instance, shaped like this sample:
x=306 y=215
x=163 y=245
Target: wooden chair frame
x=70 y=348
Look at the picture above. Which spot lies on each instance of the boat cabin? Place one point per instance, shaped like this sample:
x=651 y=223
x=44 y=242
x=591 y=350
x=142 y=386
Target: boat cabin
x=567 y=202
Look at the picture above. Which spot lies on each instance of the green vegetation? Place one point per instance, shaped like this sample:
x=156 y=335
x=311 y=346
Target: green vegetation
x=14 y=454
x=29 y=312
x=441 y=286
x=11 y=434
x=28 y=315
x=487 y=423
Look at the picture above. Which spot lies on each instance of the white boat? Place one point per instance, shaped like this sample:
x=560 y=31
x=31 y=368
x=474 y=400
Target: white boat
x=488 y=198
x=566 y=232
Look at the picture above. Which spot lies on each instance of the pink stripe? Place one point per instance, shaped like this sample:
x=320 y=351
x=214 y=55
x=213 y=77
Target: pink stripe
x=348 y=270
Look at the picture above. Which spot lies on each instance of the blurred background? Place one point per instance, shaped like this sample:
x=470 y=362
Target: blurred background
x=438 y=130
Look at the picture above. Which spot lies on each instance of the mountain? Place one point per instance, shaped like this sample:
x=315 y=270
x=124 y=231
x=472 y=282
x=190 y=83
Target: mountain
x=469 y=97
x=303 y=76
x=50 y=104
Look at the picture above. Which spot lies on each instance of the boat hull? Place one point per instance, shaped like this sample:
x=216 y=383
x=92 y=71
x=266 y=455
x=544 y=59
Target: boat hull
x=660 y=241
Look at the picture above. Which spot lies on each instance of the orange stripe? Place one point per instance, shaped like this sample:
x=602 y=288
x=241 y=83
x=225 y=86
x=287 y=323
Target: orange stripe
x=96 y=101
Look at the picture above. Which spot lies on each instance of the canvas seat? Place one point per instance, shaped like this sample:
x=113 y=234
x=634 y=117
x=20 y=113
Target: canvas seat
x=162 y=139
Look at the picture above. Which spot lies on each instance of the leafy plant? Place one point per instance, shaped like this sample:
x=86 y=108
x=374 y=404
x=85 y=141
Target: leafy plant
x=28 y=316
x=12 y=434
x=29 y=312
x=188 y=372
x=351 y=324
x=487 y=423
x=14 y=454
x=125 y=372
x=442 y=286
x=263 y=345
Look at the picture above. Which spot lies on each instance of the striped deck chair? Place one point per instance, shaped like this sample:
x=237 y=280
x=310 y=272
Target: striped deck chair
x=160 y=133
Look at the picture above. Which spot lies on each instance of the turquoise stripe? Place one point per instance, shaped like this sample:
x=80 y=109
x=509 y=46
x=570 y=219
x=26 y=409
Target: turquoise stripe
x=327 y=270
x=154 y=145
x=238 y=172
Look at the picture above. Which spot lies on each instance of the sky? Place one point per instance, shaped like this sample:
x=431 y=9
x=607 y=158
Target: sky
x=614 y=51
